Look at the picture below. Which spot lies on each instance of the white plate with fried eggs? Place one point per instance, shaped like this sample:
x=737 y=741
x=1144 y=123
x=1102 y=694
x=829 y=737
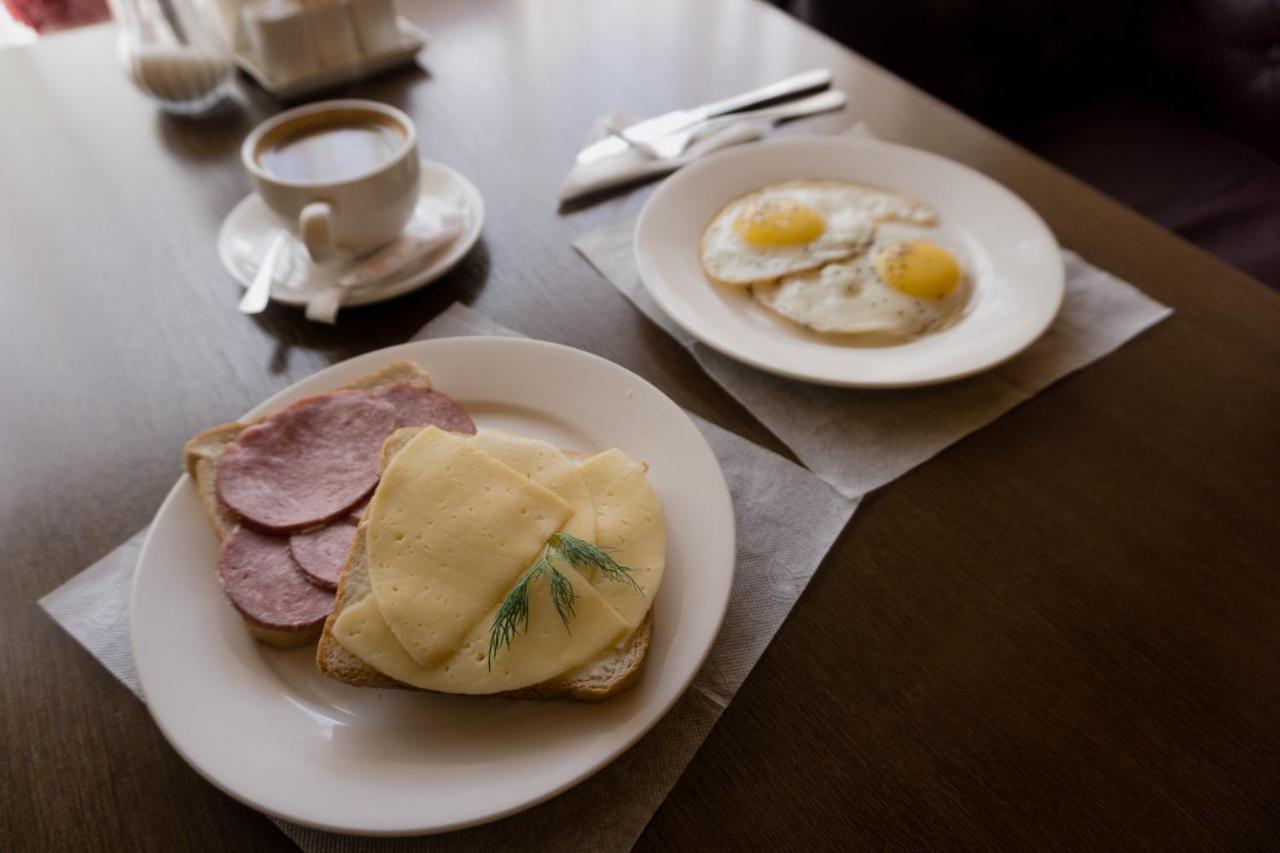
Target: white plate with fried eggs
x=849 y=261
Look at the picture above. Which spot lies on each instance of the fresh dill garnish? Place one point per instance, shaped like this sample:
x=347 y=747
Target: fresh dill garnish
x=514 y=610
x=562 y=596
x=513 y=614
x=580 y=554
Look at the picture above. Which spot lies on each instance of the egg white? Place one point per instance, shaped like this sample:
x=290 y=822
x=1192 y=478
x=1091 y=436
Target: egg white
x=850 y=212
x=848 y=297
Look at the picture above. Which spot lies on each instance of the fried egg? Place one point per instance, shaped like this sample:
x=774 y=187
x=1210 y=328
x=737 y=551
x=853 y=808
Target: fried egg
x=794 y=226
x=905 y=284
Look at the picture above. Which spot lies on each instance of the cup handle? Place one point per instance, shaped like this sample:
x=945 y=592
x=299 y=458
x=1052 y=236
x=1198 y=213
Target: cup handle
x=315 y=224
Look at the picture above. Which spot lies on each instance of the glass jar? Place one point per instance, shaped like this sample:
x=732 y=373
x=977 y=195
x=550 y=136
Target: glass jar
x=176 y=51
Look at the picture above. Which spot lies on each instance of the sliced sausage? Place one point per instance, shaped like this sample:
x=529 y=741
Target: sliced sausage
x=357 y=511
x=418 y=406
x=264 y=583
x=308 y=463
x=321 y=553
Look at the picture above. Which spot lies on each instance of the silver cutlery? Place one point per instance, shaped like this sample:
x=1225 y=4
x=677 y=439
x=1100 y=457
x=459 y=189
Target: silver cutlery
x=674 y=144
x=255 y=299
x=654 y=128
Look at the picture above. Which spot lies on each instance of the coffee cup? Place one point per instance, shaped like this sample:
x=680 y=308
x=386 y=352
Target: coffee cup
x=343 y=174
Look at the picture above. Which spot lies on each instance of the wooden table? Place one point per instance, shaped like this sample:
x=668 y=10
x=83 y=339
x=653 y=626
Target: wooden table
x=1062 y=633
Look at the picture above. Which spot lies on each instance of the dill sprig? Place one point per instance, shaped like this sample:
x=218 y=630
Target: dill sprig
x=562 y=594
x=514 y=610
x=580 y=554
x=513 y=614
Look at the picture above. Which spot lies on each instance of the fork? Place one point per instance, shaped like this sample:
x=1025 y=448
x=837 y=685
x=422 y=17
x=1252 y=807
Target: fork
x=674 y=144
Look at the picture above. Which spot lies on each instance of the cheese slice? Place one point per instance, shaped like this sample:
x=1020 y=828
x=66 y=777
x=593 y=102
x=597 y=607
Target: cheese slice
x=548 y=467
x=542 y=652
x=450 y=530
x=630 y=527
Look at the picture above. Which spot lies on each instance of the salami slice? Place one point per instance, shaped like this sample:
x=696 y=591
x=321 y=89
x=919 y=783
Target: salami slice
x=357 y=511
x=308 y=463
x=418 y=406
x=264 y=583
x=321 y=553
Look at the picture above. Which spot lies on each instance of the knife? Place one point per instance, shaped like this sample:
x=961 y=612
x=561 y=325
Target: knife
x=651 y=129
x=674 y=144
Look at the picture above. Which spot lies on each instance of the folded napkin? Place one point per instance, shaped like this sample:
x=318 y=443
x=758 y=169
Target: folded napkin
x=775 y=561
x=858 y=440
x=434 y=225
x=631 y=165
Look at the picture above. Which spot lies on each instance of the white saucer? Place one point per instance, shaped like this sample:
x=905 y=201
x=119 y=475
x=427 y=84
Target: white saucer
x=248 y=229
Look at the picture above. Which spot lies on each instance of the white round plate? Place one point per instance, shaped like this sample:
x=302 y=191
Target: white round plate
x=1013 y=261
x=247 y=232
x=264 y=726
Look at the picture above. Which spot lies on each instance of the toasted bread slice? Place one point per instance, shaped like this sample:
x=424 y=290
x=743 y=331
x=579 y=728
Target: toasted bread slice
x=596 y=680
x=204 y=450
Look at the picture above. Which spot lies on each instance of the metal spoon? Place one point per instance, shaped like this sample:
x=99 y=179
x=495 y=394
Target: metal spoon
x=255 y=299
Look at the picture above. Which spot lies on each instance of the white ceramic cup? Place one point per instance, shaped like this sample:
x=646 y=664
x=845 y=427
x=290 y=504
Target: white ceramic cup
x=347 y=217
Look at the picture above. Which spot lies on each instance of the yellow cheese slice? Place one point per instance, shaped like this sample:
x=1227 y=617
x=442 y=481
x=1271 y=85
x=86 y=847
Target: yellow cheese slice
x=538 y=654
x=548 y=467
x=630 y=526
x=450 y=529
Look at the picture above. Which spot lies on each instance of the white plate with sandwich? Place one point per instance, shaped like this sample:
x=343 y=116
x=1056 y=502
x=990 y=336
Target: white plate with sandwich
x=849 y=261
x=535 y=548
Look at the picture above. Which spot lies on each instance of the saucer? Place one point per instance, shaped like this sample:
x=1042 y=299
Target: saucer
x=248 y=230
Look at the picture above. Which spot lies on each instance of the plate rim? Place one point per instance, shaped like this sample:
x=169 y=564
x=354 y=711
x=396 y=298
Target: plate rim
x=728 y=519
x=423 y=277
x=648 y=275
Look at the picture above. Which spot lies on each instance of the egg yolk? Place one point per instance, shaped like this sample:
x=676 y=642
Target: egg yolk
x=918 y=268
x=779 y=222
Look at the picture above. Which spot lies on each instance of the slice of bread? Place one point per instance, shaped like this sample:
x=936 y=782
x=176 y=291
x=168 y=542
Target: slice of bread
x=597 y=680
x=204 y=450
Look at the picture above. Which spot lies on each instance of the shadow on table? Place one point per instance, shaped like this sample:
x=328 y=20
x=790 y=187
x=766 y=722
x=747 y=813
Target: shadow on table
x=209 y=139
x=360 y=330
x=394 y=87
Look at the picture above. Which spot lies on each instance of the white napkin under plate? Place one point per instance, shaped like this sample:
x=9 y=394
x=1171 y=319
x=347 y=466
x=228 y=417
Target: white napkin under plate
x=858 y=440
x=775 y=562
x=631 y=165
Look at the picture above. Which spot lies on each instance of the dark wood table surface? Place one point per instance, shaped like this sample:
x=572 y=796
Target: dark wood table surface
x=1062 y=633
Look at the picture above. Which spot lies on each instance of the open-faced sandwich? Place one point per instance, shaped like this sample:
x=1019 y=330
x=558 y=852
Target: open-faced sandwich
x=464 y=562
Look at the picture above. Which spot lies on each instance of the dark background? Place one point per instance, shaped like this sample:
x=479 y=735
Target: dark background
x=1171 y=107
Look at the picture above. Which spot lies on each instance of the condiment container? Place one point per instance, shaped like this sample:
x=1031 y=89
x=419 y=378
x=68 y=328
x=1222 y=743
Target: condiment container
x=280 y=37
x=377 y=25
x=179 y=54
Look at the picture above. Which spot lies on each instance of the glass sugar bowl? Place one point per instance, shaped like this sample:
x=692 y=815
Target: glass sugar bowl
x=178 y=52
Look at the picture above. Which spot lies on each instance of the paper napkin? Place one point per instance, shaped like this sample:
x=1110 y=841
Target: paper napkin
x=858 y=440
